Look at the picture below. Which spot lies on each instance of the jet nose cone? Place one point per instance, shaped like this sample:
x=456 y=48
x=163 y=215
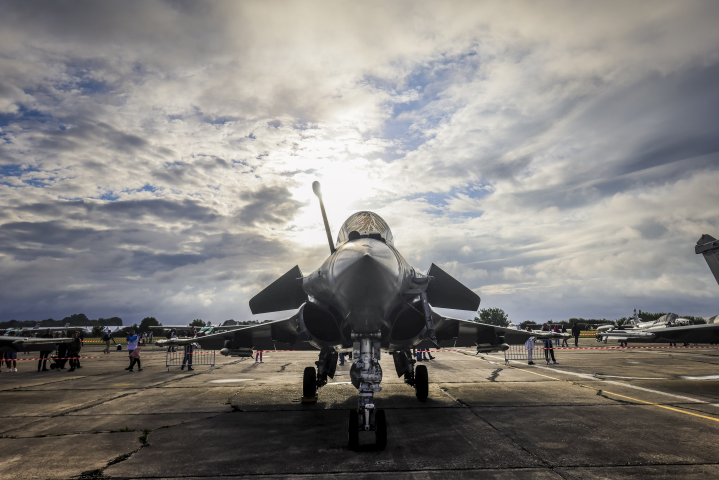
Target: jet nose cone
x=365 y=273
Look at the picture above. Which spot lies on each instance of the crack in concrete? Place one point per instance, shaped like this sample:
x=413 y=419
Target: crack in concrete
x=537 y=457
x=493 y=376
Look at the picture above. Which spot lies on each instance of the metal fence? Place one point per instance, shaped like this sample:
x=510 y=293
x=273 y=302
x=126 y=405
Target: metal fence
x=190 y=356
x=521 y=353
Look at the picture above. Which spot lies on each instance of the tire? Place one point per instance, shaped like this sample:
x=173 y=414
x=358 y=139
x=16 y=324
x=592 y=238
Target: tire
x=421 y=382
x=353 y=430
x=309 y=383
x=381 y=432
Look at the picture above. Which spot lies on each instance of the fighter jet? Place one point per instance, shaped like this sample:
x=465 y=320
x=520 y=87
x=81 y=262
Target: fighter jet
x=364 y=298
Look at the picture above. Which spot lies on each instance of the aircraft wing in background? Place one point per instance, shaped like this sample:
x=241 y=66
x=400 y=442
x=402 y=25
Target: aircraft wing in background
x=277 y=335
x=453 y=332
x=30 y=343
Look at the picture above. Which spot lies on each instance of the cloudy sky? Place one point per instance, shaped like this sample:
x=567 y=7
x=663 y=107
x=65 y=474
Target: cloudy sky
x=156 y=158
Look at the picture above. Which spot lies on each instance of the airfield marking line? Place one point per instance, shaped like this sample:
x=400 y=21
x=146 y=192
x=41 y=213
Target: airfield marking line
x=593 y=378
x=663 y=406
x=618 y=395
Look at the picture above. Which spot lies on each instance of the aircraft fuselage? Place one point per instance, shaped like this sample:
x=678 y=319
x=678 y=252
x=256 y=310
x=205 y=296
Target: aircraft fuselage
x=365 y=280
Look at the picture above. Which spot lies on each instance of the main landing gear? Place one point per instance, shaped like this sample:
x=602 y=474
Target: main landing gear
x=326 y=366
x=414 y=377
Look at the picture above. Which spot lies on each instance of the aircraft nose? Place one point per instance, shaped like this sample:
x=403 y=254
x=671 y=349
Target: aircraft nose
x=365 y=273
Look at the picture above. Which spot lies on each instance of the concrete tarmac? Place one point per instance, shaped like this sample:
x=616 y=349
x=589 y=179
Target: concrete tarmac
x=636 y=413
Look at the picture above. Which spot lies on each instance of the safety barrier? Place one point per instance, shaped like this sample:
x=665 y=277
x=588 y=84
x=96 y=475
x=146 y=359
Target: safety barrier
x=522 y=353
x=189 y=355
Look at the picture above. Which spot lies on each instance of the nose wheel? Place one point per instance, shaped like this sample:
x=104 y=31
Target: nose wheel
x=378 y=424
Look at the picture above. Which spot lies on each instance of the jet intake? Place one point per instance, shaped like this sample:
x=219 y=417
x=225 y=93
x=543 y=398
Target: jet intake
x=319 y=325
x=408 y=324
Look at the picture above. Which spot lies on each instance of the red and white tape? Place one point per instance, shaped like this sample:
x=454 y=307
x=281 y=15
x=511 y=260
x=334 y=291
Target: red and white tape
x=46 y=358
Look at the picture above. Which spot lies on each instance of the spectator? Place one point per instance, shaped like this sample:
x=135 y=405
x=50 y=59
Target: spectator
x=556 y=340
x=575 y=333
x=61 y=356
x=74 y=351
x=11 y=357
x=135 y=358
x=548 y=346
x=564 y=338
x=44 y=353
x=152 y=336
x=549 y=350
x=189 y=351
x=342 y=359
x=258 y=354
x=529 y=345
x=106 y=338
x=173 y=334
x=131 y=346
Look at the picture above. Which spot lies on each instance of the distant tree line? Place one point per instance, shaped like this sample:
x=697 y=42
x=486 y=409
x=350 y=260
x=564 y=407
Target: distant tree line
x=497 y=316
x=76 y=319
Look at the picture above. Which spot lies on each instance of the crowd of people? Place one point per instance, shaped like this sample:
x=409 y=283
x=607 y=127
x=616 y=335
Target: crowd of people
x=68 y=354
x=65 y=352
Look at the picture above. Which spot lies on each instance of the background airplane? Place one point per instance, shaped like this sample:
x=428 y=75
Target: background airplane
x=17 y=343
x=364 y=298
x=202 y=331
x=670 y=328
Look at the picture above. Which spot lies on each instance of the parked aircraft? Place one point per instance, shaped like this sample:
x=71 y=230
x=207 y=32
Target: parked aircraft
x=670 y=328
x=364 y=298
x=202 y=331
x=16 y=343
x=67 y=327
x=666 y=329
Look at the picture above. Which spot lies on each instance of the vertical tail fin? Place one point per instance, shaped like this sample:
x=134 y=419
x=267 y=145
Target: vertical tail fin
x=709 y=247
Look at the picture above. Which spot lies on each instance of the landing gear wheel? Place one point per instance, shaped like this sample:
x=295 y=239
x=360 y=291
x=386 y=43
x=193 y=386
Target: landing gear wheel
x=309 y=386
x=353 y=430
x=381 y=432
x=421 y=382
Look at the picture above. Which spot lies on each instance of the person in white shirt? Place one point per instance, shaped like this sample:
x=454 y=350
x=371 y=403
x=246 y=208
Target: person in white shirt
x=529 y=345
x=132 y=340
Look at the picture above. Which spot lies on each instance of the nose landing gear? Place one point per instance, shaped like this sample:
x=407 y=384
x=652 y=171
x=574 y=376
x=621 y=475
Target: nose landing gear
x=366 y=375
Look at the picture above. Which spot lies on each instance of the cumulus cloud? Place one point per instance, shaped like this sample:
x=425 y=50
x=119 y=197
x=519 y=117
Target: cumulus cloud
x=156 y=157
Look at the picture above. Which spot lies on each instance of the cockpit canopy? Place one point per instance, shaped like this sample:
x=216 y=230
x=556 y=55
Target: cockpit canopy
x=364 y=224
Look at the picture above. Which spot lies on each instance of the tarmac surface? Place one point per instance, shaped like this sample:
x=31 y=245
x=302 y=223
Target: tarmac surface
x=631 y=413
